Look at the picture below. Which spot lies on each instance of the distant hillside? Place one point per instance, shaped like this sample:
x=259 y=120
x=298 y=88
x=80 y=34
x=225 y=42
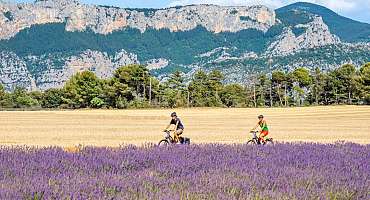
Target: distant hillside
x=347 y=29
x=43 y=44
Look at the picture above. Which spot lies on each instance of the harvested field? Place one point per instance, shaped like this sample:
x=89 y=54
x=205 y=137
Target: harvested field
x=202 y=125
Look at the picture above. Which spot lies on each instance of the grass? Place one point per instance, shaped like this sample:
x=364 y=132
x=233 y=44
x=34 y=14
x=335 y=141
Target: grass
x=203 y=125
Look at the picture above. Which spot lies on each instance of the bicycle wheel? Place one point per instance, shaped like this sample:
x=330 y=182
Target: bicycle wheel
x=187 y=141
x=269 y=141
x=252 y=142
x=163 y=143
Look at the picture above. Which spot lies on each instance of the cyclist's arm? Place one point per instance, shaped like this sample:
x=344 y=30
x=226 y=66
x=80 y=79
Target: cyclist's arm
x=168 y=126
x=255 y=128
x=177 y=123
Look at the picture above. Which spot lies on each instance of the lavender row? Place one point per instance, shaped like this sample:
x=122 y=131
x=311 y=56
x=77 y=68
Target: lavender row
x=282 y=171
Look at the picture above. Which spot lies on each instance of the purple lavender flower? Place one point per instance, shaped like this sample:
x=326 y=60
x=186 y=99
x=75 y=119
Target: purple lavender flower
x=282 y=171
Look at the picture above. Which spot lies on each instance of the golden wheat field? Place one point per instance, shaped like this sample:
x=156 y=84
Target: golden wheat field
x=202 y=125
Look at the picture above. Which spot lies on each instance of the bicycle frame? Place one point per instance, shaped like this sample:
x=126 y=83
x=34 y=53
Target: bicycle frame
x=255 y=137
x=168 y=137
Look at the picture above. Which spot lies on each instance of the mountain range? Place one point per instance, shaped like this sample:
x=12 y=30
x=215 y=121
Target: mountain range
x=42 y=44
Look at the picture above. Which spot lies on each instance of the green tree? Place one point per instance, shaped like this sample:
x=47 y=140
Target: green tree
x=21 y=99
x=52 y=98
x=365 y=82
x=318 y=85
x=6 y=100
x=97 y=102
x=136 y=77
x=131 y=86
x=129 y=83
x=233 y=95
x=262 y=90
x=331 y=94
x=279 y=83
x=169 y=97
x=302 y=77
x=348 y=82
x=365 y=74
x=301 y=80
x=215 y=86
x=37 y=95
x=82 y=88
x=174 y=91
x=176 y=81
x=205 y=88
x=198 y=89
x=2 y=92
x=115 y=93
x=154 y=96
x=2 y=96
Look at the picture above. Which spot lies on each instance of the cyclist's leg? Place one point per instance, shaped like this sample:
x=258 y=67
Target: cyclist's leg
x=177 y=134
x=263 y=135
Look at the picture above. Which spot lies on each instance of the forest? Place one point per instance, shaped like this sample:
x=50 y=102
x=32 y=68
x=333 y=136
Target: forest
x=133 y=86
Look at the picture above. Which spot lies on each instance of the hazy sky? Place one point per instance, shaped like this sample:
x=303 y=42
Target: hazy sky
x=355 y=9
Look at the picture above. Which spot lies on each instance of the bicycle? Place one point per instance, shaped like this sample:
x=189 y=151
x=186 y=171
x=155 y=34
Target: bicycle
x=168 y=139
x=257 y=140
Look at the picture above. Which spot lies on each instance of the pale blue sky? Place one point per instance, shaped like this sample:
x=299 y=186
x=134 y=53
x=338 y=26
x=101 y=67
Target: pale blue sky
x=354 y=9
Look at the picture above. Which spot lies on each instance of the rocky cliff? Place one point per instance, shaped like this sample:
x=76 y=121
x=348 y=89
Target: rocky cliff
x=105 y=20
x=42 y=44
x=315 y=34
x=16 y=71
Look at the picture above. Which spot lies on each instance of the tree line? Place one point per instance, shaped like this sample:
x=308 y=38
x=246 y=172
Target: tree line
x=132 y=86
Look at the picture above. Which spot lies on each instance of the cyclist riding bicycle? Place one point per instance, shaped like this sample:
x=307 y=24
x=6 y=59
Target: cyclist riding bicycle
x=264 y=128
x=179 y=127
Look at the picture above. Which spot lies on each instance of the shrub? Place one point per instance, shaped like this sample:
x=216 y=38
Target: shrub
x=97 y=102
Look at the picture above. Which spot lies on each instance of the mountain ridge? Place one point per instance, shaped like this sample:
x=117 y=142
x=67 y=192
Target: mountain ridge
x=51 y=48
x=347 y=29
x=105 y=20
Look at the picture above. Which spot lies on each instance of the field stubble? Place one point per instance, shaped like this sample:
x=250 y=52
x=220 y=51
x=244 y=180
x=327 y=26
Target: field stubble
x=202 y=125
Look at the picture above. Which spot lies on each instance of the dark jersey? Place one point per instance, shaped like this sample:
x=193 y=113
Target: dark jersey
x=180 y=125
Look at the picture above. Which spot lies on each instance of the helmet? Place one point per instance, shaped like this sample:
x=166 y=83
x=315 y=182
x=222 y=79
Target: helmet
x=260 y=116
x=173 y=114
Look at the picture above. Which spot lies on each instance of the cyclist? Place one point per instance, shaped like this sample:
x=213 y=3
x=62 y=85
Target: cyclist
x=179 y=127
x=264 y=128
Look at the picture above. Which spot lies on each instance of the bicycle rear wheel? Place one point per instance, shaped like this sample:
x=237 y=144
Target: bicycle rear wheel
x=269 y=141
x=163 y=143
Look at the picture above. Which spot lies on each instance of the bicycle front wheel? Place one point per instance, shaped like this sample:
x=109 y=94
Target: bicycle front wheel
x=163 y=143
x=251 y=142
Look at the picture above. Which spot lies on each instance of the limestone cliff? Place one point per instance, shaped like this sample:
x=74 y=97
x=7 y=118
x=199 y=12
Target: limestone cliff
x=42 y=44
x=105 y=20
x=316 y=34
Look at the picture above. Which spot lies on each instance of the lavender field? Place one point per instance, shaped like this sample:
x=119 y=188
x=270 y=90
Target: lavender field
x=282 y=171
